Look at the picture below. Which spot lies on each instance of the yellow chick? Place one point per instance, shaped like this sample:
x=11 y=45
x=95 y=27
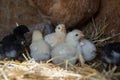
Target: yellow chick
x=57 y=37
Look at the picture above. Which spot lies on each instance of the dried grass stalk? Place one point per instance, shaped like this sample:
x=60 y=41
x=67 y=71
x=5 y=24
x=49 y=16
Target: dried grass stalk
x=31 y=70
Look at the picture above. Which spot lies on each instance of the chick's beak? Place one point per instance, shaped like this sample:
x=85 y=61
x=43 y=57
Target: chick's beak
x=26 y=34
x=81 y=35
x=63 y=29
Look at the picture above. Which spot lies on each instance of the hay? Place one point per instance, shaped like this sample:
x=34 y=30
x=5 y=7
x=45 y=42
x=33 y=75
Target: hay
x=96 y=33
x=31 y=70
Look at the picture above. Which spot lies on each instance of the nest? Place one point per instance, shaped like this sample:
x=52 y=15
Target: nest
x=31 y=70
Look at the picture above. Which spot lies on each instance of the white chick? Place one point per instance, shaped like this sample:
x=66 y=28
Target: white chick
x=88 y=49
x=40 y=50
x=57 y=37
x=67 y=50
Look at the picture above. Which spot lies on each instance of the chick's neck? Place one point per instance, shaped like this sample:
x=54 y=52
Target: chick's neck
x=72 y=42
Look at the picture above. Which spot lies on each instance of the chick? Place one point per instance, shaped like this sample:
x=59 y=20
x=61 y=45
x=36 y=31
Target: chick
x=111 y=54
x=67 y=50
x=88 y=49
x=13 y=44
x=57 y=37
x=39 y=49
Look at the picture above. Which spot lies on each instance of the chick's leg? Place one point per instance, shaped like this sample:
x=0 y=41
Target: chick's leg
x=81 y=60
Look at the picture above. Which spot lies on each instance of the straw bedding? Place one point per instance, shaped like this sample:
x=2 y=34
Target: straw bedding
x=31 y=70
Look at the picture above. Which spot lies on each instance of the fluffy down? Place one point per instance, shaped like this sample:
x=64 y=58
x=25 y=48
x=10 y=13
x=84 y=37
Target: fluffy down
x=57 y=37
x=67 y=50
x=111 y=54
x=88 y=49
x=14 y=44
x=40 y=50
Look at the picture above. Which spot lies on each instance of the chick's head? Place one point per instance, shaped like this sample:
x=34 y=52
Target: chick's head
x=74 y=35
x=60 y=28
x=37 y=35
x=21 y=30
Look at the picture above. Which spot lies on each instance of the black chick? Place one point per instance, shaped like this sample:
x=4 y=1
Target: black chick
x=111 y=54
x=14 y=44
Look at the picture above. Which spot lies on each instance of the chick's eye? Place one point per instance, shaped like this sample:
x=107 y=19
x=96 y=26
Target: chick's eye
x=58 y=27
x=76 y=34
